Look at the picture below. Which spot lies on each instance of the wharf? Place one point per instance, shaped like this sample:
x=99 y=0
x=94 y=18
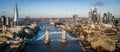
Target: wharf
x=85 y=47
x=17 y=46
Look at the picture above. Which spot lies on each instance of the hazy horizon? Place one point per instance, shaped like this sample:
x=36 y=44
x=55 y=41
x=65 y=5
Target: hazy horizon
x=58 y=8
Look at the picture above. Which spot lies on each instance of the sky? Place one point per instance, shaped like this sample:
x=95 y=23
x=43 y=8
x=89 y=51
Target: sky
x=58 y=8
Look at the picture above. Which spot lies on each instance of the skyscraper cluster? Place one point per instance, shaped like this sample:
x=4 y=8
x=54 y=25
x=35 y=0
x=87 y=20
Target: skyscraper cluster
x=95 y=17
x=107 y=18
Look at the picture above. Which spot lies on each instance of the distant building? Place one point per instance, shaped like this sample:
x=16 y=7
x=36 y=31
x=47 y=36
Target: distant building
x=7 y=21
x=3 y=23
x=90 y=15
x=0 y=23
x=115 y=21
x=16 y=16
x=75 y=18
x=118 y=21
x=105 y=18
x=99 y=18
x=93 y=14
x=3 y=19
x=109 y=17
x=27 y=20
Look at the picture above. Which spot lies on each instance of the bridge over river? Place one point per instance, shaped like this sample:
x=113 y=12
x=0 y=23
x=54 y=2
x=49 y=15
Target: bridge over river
x=55 y=36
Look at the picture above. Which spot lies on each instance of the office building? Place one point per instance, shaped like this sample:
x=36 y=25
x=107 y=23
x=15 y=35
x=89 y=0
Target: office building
x=93 y=16
x=16 y=16
x=75 y=18
x=105 y=18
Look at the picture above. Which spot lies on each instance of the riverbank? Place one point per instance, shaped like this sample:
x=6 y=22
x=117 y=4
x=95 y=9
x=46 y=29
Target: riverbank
x=15 y=38
x=98 y=36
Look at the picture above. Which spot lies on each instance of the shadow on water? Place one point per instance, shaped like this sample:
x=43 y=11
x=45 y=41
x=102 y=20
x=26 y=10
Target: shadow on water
x=54 y=46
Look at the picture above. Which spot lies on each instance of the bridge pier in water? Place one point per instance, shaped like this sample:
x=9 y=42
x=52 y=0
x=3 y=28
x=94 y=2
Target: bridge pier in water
x=63 y=35
x=46 y=36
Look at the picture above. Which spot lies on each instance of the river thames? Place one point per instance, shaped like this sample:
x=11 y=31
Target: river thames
x=55 y=45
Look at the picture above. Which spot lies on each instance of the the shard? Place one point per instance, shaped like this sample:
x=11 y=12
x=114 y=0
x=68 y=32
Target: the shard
x=16 y=16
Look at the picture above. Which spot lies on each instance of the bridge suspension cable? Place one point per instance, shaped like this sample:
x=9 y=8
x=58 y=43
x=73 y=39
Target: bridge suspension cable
x=73 y=38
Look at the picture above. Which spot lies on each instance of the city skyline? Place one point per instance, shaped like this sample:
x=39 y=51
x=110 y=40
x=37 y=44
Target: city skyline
x=58 y=8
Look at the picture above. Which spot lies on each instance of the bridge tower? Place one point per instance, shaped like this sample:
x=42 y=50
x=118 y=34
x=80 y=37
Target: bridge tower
x=63 y=35
x=46 y=36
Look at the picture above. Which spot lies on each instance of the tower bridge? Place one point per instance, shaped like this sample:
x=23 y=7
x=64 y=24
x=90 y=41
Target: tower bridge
x=50 y=30
x=63 y=40
x=64 y=36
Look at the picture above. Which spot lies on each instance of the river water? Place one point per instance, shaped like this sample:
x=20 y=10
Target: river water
x=37 y=44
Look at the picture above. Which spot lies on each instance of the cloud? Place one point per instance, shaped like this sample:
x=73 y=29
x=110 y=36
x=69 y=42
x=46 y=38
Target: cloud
x=98 y=4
